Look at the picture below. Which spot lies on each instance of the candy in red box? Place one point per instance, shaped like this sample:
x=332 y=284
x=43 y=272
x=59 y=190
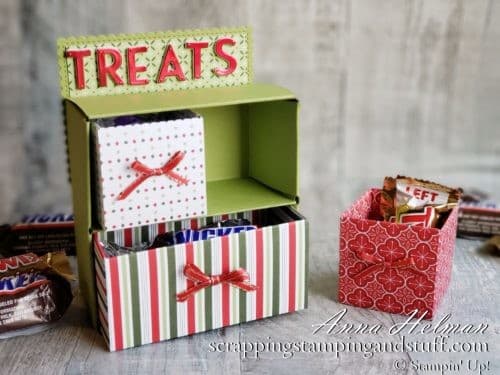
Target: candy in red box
x=397 y=268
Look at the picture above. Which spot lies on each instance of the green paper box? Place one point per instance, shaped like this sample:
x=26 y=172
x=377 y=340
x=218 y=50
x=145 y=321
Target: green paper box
x=250 y=138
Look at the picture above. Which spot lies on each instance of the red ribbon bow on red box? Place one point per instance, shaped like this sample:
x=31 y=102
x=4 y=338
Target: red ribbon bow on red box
x=145 y=172
x=238 y=277
x=378 y=264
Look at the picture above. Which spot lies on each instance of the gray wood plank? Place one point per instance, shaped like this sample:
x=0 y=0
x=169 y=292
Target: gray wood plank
x=11 y=83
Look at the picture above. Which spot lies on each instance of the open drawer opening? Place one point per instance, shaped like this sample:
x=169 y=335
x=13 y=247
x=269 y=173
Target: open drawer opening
x=142 y=238
x=250 y=153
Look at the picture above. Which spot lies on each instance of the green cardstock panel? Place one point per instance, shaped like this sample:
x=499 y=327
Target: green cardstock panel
x=116 y=105
x=273 y=148
x=152 y=58
x=250 y=142
x=78 y=132
x=225 y=196
x=229 y=159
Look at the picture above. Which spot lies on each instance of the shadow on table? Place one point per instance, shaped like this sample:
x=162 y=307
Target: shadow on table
x=324 y=284
x=488 y=249
x=77 y=319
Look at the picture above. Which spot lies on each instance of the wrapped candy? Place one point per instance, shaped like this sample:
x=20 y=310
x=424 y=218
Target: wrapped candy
x=413 y=201
x=33 y=290
x=219 y=229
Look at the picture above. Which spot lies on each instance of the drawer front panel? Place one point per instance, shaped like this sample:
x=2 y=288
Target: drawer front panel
x=138 y=302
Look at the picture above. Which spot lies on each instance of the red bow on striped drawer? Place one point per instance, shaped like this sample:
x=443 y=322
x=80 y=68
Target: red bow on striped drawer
x=145 y=172
x=238 y=277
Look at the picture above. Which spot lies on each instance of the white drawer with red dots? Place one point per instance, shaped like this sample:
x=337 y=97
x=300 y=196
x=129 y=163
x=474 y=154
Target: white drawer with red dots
x=149 y=169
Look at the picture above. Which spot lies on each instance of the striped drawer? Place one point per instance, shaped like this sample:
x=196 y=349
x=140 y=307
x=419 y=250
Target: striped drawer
x=137 y=292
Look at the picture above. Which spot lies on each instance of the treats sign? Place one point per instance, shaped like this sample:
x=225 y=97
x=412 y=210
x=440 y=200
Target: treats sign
x=125 y=64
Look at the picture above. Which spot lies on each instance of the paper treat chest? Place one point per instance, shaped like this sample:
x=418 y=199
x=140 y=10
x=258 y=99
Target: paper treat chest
x=250 y=145
x=391 y=267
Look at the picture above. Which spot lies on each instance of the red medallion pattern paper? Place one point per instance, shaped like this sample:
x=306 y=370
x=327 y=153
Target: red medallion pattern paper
x=396 y=268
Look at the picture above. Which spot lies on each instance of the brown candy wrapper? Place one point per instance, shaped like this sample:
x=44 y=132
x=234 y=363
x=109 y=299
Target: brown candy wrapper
x=413 y=201
x=478 y=216
x=33 y=290
x=494 y=242
x=387 y=196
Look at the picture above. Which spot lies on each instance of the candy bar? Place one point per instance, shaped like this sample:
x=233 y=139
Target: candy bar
x=145 y=118
x=38 y=234
x=33 y=290
x=214 y=230
x=191 y=235
x=414 y=194
x=229 y=223
x=218 y=229
x=478 y=217
x=412 y=201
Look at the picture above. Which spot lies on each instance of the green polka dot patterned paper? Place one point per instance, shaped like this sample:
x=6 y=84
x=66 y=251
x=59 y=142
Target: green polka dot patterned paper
x=152 y=59
x=158 y=198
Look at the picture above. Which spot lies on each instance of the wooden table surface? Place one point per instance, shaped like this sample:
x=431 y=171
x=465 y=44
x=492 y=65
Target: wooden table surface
x=73 y=347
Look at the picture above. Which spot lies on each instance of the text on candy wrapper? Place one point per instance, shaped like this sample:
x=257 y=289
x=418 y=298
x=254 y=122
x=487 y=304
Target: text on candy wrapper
x=17 y=261
x=19 y=281
x=422 y=194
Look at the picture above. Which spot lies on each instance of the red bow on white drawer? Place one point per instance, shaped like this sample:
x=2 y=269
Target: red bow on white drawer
x=145 y=172
x=238 y=277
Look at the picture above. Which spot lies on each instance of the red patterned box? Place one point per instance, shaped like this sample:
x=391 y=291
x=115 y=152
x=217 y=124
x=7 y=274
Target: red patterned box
x=391 y=267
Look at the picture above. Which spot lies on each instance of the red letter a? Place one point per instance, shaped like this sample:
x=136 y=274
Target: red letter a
x=170 y=60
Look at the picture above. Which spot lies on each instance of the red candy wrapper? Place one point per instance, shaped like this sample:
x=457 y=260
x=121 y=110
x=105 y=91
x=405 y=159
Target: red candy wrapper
x=413 y=201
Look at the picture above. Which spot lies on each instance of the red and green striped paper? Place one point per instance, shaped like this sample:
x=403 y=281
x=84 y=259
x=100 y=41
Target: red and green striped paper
x=137 y=291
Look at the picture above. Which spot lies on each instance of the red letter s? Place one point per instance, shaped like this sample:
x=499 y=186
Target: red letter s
x=231 y=61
